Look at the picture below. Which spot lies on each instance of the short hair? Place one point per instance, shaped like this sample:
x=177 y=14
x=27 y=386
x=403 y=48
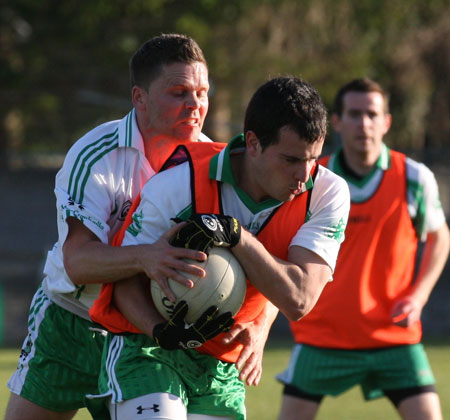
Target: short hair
x=147 y=62
x=286 y=101
x=359 y=85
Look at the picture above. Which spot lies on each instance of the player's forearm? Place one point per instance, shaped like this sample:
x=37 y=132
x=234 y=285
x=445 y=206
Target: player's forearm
x=88 y=260
x=133 y=299
x=268 y=317
x=95 y=262
x=289 y=286
x=434 y=257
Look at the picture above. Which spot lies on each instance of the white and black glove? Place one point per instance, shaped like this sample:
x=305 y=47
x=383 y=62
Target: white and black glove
x=203 y=231
x=175 y=334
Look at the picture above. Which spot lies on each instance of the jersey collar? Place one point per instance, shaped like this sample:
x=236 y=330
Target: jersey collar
x=220 y=164
x=383 y=162
x=129 y=134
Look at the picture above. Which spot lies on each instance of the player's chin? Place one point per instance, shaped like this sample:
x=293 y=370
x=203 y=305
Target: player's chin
x=290 y=197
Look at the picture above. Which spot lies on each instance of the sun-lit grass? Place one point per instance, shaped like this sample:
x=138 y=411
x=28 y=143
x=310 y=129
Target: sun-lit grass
x=263 y=402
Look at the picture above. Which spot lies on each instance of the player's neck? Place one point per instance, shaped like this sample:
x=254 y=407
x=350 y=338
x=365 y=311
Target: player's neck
x=242 y=174
x=361 y=163
x=159 y=148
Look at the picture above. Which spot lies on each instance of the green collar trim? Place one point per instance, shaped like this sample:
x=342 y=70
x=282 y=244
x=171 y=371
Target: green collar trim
x=383 y=162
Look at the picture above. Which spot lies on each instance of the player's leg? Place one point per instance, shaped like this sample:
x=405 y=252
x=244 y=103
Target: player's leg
x=161 y=406
x=420 y=402
x=424 y=406
x=407 y=380
x=292 y=406
x=214 y=388
x=20 y=409
x=57 y=366
x=139 y=380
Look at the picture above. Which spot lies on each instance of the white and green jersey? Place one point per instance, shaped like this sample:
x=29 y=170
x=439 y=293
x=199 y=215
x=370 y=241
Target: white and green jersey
x=102 y=174
x=424 y=205
x=168 y=194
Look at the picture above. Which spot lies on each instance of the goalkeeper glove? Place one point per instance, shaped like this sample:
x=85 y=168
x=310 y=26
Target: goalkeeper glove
x=175 y=334
x=203 y=231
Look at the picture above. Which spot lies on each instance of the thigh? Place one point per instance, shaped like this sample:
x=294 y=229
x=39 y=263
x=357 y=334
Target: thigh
x=133 y=366
x=421 y=406
x=295 y=407
x=217 y=391
x=60 y=358
x=321 y=371
x=19 y=408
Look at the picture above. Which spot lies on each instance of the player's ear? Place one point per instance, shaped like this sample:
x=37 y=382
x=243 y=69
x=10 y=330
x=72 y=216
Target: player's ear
x=387 y=122
x=252 y=143
x=335 y=121
x=139 y=97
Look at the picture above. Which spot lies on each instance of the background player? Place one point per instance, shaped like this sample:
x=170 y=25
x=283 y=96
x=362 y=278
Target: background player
x=366 y=327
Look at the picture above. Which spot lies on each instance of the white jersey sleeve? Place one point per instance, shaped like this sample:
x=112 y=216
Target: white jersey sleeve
x=424 y=204
x=83 y=189
x=323 y=232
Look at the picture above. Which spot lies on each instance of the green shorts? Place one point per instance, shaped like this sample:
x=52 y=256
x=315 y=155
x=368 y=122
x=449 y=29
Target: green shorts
x=322 y=371
x=134 y=366
x=60 y=359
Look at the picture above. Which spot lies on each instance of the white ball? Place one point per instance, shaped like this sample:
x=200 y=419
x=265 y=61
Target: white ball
x=223 y=286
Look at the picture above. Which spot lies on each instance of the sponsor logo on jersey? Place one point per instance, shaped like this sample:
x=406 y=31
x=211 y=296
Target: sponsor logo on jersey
x=336 y=231
x=136 y=226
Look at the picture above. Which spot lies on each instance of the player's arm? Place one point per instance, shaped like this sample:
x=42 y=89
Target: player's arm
x=253 y=336
x=133 y=299
x=84 y=231
x=88 y=260
x=434 y=256
x=293 y=285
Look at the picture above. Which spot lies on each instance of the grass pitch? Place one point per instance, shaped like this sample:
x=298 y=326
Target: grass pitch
x=263 y=402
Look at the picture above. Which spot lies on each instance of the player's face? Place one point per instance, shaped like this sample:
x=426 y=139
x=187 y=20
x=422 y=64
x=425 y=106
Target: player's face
x=282 y=168
x=363 y=122
x=176 y=103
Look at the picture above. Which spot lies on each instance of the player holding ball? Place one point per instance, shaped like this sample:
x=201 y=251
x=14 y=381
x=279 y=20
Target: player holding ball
x=283 y=217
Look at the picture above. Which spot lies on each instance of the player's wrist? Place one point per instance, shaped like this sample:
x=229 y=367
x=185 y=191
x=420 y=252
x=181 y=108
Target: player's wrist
x=139 y=257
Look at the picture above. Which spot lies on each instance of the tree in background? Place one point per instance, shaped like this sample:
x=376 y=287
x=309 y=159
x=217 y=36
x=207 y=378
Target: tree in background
x=63 y=65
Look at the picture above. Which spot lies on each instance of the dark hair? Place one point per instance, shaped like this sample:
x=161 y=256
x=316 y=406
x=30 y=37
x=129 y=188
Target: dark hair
x=147 y=62
x=286 y=101
x=364 y=85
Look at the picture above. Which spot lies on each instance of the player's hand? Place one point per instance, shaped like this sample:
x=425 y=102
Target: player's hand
x=175 y=334
x=203 y=231
x=161 y=261
x=406 y=312
x=253 y=336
